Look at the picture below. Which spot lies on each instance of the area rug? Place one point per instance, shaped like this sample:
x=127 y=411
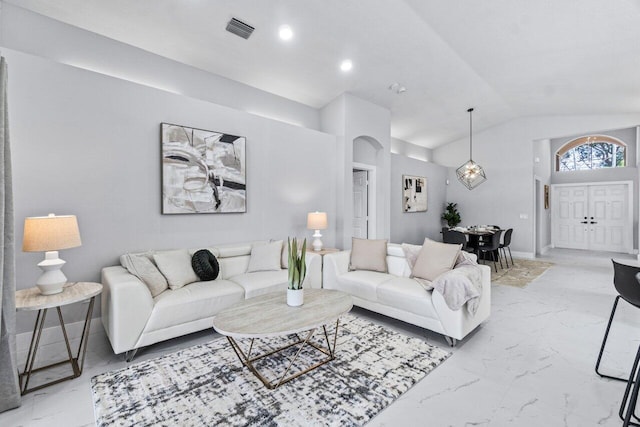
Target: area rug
x=205 y=385
x=519 y=275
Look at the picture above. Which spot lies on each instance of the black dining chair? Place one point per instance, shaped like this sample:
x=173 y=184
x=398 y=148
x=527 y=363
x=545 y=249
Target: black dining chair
x=455 y=237
x=491 y=247
x=628 y=288
x=506 y=242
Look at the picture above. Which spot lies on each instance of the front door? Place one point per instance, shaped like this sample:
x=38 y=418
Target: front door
x=608 y=211
x=570 y=206
x=594 y=217
x=360 y=204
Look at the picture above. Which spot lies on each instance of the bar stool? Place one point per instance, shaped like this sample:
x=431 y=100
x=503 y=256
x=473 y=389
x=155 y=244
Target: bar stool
x=634 y=380
x=625 y=282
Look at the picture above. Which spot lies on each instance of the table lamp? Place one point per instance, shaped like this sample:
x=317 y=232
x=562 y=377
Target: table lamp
x=49 y=234
x=317 y=221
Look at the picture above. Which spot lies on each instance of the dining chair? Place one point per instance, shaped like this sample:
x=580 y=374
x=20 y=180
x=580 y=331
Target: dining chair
x=491 y=247
x=455 y=237
x=629 y=402
x=506 y=244
x=628 y=288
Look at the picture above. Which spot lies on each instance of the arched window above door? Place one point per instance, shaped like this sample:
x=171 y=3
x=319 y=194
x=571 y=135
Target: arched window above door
x=591 y=152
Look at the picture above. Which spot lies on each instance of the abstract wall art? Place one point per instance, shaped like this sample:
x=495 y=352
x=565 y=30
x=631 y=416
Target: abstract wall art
x=203 y=171
x=414 y=193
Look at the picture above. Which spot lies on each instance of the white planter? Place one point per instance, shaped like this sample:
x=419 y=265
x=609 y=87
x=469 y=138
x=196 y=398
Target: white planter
x=295 y=297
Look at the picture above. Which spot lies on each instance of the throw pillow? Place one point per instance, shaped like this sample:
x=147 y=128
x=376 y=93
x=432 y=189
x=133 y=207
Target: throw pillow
x=176 y=267
x=465 y=258
x=411 y=253
x=142 y=267
x=368 y=255
x=265 y=257
x=434 y=259
x=205 y=265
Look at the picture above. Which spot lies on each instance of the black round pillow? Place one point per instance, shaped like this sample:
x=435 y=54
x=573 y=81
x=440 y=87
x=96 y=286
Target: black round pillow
x=205 y=264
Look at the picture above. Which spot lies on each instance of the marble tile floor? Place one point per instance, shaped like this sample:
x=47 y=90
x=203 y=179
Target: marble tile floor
x=530 y=364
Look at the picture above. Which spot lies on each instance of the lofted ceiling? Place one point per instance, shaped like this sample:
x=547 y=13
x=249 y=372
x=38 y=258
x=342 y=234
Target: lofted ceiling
x=506 y=58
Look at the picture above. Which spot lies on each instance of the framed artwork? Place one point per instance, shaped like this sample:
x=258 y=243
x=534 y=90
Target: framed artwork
x=414 y=193
x=546 y=196
x=203 y=171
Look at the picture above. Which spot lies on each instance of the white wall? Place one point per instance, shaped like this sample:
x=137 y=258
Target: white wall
x=350 y=118
x=88 y=144
x=542 y=172
x=413 y=227
x=506 y=153
x=408 y=149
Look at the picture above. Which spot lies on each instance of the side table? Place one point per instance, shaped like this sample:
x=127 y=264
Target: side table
x=30 y=300
x=324 y=251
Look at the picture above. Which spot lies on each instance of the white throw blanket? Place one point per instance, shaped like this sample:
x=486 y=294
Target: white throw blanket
x=460 y=286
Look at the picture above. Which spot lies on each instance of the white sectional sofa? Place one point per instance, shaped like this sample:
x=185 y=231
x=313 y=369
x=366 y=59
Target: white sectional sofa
x=396 y=294
x=133 y=318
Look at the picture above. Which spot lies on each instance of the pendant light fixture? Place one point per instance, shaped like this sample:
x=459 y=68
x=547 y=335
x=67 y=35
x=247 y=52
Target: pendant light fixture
x=471 y=174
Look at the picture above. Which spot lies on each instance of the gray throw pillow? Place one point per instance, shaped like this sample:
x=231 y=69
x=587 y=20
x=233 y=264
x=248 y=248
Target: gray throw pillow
x=265 y=257
x=145 y=270
x=434 y=259
x=368 y=254
x=176 y=267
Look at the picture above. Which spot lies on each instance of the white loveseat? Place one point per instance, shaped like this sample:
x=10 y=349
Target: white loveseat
x=396 y=294
x=133 y=318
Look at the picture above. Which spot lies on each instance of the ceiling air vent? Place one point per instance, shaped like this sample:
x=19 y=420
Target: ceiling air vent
x=239 y=28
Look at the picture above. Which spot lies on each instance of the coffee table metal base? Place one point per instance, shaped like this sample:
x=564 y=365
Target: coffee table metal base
x=248 y=361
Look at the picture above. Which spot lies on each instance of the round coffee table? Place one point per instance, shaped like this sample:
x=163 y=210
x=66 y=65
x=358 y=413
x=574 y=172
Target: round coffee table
x=269 y=315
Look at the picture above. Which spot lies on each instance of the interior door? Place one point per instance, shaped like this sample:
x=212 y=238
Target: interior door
x=360 y=204
x=570 y=205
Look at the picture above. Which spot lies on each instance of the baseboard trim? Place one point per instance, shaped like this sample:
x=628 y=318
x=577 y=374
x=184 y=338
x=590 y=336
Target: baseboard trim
x=525 y=255
x=53 y=335
x=545 y=249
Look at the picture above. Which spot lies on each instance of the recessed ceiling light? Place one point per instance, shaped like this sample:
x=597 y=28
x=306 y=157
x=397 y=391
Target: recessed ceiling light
x=346 y=65
x=285 y=32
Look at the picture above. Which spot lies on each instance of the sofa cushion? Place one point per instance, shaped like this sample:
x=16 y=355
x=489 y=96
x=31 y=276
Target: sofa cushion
x=361 y=283
x=144 y=269
x=407 y=294
x=368 y=254
x=176 y=267
x=265 y=257
x=434 y=259
x=193 y=302
x=262 y=282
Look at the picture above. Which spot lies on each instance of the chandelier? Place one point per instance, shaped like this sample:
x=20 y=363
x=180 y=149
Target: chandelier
x=471 y=174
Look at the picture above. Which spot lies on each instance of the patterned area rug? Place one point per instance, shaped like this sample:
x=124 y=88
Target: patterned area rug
x=523 y=272
x=205 y=385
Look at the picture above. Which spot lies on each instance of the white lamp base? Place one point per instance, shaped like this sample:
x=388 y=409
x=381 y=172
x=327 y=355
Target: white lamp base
x=52 y=279
x=317 y=243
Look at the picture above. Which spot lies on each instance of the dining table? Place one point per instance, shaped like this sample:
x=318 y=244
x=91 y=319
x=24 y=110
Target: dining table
x=475 y=234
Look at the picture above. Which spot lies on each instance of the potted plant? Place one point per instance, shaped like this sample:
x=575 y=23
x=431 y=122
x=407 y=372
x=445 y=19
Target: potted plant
x=297 y=272
x=451 y=215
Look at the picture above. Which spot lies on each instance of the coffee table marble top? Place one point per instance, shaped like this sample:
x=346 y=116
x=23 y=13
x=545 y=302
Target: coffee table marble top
x=32 y=299
x=269 y=315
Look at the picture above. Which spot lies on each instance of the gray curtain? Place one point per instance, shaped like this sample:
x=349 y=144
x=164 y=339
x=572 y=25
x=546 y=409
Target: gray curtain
x=9 y=388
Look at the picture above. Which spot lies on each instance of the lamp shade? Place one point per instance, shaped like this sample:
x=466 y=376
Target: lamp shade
x=50 y=233
x=317 y=220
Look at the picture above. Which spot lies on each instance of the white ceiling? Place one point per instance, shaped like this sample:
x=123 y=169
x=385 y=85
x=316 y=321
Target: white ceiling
x=506 y=58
